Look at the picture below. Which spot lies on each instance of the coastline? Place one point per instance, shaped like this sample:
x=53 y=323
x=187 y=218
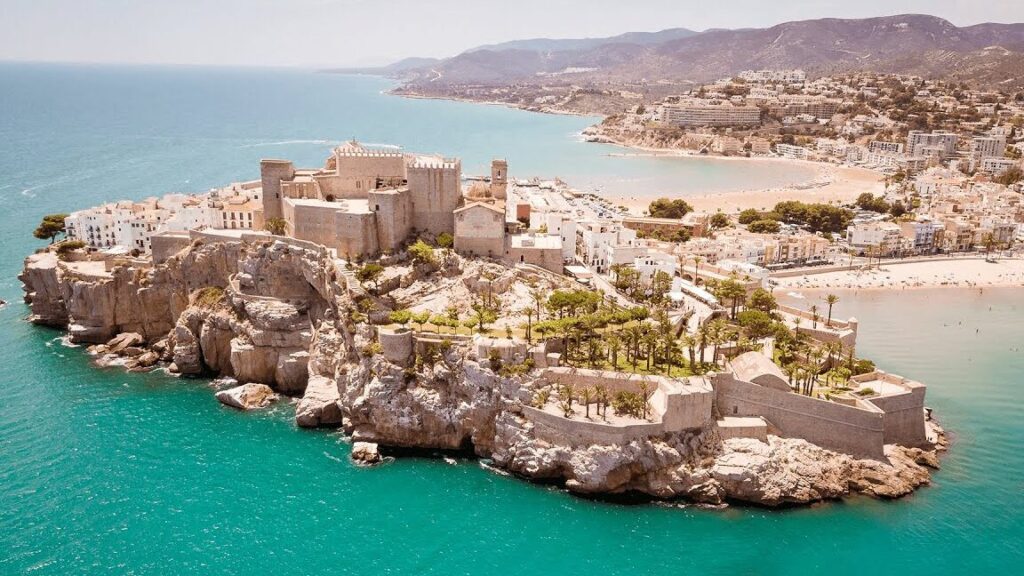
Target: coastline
x=830 y=184
x=344 y=374
x=557 y=112
x=966 y=273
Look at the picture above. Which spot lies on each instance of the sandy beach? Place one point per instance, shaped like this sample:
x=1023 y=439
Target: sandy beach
x=831 y=184
x=955 y=273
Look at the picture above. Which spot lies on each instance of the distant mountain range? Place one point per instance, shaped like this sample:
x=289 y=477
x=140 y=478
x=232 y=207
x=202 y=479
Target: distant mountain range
x=562 y=45
x=987 y=54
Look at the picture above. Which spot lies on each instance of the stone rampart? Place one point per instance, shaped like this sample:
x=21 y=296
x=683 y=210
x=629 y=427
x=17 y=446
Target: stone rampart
x=397 y=346
x=856 y=431
x=558 y=430
x=904 y=412
x=676 y=404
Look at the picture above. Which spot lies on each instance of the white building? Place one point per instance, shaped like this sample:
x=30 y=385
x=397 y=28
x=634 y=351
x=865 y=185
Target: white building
x=988 y=147
x=883 y=235
x=709 y=113
x=653 y=262
x=937 y=142
x=791 y=151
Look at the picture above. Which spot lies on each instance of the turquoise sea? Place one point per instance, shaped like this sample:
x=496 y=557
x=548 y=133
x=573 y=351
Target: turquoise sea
x=104 y=472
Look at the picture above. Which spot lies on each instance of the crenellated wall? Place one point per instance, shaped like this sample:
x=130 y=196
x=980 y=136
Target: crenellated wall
x=436 y=193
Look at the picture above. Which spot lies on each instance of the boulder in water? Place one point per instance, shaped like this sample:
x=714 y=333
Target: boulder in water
x=247 y=396
x=365 y=453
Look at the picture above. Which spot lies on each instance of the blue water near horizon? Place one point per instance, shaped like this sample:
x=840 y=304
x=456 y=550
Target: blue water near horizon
x=105 y=472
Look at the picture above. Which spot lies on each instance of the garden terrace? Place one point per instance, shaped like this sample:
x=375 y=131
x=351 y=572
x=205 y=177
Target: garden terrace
x=665 y=405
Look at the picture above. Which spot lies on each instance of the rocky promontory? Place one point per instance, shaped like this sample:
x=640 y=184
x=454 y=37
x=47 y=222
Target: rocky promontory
x=283 y=317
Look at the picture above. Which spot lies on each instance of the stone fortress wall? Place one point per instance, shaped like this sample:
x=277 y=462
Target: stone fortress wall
x=676 y=405
x=858 y=426
x=436 y=189
x=363 y=201
x=272 y=173
x=903 y=411
x=357 y=169
x=392 y=213
x=856 y=431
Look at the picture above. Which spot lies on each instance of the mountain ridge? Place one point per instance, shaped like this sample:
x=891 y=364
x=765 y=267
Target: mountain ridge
x=987 y=53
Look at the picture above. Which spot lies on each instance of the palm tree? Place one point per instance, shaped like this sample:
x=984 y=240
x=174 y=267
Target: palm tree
x=814 y=316
x=528 y=312
x=585 y=396
x=650 y=340
x=538 y=299
x=831 y=300
x=696 y=267
x=601 y=396
x=633 y=335
x=702 y=339
x=690 y=342
x=614 y=346
x=716 y=334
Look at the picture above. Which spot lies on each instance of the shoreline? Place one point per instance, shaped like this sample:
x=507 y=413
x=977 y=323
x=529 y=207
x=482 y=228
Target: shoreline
x=554 y=112
x=831 y=183
x=374 y=405
x=962 y=273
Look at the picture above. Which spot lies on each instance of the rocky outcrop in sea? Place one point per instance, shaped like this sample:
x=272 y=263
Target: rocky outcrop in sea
x=280 y=319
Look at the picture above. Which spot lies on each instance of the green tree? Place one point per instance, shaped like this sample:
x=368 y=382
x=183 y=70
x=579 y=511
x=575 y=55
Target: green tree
x=276 y=226
x=764 y=227
x=757 y=323
x=445 y=240
x=719 y=220
x=370 y=273
x=665 y=208
x=763 y=300
x=420 y=318
x=51 y=226
x=422 y=253
x=749 y=215
x=731 y=291
x=400 y=317
x=528 y=312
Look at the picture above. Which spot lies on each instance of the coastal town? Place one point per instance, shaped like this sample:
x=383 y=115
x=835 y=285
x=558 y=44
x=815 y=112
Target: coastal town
x=462 y=287
x=386 y=278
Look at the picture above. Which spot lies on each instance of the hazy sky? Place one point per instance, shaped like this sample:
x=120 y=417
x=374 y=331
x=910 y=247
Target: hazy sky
x=371 y=32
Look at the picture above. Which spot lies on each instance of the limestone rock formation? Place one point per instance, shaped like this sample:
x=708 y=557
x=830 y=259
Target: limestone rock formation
x=320 y=406
x=278 y=318
x=783 y=471
x=247 y=396
x=365 y=453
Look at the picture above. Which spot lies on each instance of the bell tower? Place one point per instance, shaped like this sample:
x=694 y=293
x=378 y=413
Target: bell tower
x=499 y=178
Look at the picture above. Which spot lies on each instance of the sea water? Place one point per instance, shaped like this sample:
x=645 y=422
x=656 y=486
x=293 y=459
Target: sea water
x=106 y=472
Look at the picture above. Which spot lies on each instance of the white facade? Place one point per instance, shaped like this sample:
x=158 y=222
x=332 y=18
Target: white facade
x=931 y=143
x=651 y=263
x=884 y=235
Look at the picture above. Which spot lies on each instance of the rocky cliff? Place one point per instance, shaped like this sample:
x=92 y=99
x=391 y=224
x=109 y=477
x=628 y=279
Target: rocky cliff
x=280 y=314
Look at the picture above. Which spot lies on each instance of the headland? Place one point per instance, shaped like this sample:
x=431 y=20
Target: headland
x=410 y=309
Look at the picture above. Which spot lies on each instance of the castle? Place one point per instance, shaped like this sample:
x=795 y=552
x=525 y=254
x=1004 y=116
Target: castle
x=363 y=201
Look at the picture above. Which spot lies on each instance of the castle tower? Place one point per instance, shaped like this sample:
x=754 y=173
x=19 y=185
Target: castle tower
x=272 y=172
x=499 y=178
x=435 y=185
